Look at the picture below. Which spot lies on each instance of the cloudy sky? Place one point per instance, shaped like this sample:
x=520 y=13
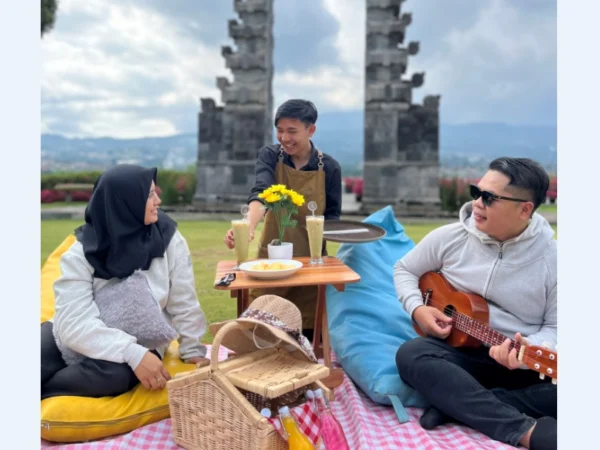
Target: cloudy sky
x=133 y=68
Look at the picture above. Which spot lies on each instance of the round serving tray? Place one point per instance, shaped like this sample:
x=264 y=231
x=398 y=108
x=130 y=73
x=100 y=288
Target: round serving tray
x=351 y=231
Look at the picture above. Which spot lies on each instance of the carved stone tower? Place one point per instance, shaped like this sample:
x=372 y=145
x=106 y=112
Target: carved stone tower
x=229 y=136
x=401 y=153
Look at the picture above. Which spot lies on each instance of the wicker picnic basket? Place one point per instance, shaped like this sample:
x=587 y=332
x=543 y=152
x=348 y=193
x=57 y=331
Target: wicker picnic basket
x=217 y=407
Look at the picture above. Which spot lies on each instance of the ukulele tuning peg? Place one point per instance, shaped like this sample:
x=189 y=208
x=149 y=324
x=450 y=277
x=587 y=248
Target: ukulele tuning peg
x=542 y=376
x=554 y=381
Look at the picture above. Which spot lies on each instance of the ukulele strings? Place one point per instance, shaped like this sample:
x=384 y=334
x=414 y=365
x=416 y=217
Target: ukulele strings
x=457 y=316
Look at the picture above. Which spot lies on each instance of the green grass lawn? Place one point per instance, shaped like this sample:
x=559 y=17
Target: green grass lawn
x=205 y=239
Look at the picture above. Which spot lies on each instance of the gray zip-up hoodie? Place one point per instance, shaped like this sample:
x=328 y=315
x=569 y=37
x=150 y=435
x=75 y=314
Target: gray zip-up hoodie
x=171 y=279
x=517 y=277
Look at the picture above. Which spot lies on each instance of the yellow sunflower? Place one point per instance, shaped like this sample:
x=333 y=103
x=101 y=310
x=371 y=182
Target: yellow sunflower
x=297 y=199
x=273 y=198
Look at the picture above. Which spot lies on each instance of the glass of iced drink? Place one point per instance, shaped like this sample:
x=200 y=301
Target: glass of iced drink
x=241 y=234
x=314 y=228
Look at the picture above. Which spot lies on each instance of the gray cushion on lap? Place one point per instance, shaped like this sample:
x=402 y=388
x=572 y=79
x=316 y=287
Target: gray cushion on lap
x=129 y=305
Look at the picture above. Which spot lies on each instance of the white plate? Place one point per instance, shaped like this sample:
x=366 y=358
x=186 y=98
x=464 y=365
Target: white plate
x=271 y=274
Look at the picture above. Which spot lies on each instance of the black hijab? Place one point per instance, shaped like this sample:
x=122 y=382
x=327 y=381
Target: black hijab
x=115 y=240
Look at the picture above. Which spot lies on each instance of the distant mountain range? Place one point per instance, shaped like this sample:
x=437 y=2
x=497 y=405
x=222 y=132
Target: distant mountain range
x=339 y=134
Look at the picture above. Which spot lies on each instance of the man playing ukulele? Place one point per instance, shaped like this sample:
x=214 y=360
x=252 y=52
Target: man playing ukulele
x=504 y=252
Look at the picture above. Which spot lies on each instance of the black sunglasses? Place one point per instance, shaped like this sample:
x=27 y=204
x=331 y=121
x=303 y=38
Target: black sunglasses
x=488 y=198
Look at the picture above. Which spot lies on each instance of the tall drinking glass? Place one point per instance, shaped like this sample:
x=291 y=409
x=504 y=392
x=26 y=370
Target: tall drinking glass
x=241 y=234
x=314 y=228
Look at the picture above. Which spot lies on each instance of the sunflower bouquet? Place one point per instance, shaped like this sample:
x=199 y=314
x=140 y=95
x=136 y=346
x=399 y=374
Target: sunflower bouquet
x=284 y=202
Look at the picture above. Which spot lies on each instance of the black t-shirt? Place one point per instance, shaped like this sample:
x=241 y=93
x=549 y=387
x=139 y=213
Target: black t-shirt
x=265 y=176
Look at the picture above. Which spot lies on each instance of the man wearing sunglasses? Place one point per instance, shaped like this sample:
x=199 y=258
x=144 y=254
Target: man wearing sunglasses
x=506 y=253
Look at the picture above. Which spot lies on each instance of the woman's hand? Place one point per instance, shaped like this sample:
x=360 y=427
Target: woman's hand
x=151 y=372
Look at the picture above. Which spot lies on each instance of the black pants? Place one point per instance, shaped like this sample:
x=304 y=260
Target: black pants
x=90 y=378
x=472 y=388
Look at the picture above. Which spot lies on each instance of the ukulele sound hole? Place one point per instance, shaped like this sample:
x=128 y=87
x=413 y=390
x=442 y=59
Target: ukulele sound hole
x=449 y=310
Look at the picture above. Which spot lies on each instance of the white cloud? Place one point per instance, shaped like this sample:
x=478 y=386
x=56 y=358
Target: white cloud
x=89 y=7
x=339 y=87
x=350 y=41
x=170 y=98
x=103 y=68
x=130 y=126
x=124 y=69
x=505 y=59
x=331 y=88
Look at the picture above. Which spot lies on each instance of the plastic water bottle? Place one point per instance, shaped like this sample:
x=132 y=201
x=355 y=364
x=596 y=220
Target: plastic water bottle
x=331 y=430
x=296 y=439
x=265 y=412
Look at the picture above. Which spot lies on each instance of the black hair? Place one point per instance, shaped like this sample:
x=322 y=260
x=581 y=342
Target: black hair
x=525 y=174
x=303 y=110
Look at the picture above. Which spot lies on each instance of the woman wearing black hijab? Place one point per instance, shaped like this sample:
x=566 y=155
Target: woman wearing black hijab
x=126 y=290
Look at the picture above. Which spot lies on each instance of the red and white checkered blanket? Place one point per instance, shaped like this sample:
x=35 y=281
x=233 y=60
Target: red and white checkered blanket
x=368 y=426
x=307 y=419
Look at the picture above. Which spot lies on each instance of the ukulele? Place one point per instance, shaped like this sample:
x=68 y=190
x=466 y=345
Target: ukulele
x=470 y=328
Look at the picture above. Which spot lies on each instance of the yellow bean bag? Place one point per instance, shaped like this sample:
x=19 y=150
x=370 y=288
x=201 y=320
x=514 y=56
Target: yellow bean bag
x=74 y=419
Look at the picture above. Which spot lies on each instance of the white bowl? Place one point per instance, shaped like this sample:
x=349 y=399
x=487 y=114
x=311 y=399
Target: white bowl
x=271 y=274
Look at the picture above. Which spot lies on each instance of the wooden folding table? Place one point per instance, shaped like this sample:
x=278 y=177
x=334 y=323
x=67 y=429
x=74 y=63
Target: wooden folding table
x=333 y=272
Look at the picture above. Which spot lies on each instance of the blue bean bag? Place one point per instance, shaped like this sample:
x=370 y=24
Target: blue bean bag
x=367 y=323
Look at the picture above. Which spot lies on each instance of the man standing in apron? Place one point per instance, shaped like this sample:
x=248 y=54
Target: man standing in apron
x=296 y=163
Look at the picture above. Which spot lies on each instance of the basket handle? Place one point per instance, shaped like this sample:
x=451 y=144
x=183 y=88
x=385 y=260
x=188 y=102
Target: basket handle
x=214 y=351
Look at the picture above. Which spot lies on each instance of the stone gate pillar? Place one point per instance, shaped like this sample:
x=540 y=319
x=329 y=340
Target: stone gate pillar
x=229 y=136
x=401 y=145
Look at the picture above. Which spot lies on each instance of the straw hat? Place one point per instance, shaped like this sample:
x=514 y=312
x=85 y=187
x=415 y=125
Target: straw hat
x=269 y=321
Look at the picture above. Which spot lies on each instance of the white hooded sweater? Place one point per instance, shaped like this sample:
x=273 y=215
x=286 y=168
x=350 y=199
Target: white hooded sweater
x=518 y=277
x=171 y=281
